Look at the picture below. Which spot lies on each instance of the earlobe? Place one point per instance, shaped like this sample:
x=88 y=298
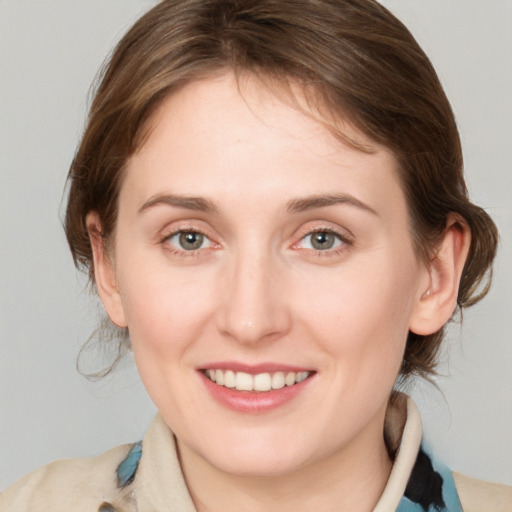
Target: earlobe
x=436 y=303
x=104 y=272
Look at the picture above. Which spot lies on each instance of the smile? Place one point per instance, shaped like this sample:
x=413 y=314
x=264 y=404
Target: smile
x=259 y=382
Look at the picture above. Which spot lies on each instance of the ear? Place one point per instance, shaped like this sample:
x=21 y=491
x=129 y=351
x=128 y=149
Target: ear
x=437 y=299
x=104 y=272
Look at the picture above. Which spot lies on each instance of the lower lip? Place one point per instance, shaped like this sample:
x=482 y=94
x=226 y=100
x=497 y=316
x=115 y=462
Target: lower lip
x=254 y=402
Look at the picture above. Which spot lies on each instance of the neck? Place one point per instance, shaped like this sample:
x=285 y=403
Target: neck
x=352 y=479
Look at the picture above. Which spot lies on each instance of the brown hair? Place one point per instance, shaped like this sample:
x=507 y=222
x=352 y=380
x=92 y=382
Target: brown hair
x=362 y=63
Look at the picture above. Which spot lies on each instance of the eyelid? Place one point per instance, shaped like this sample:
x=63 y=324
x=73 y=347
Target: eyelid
x=323 y=226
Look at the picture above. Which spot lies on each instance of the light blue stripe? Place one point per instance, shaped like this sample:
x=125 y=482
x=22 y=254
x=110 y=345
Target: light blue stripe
x=450 y=496
x=126 y=470
x=406 y=505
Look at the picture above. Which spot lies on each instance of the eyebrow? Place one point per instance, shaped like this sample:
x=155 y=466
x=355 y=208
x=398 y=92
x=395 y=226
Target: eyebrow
x=319 y=201
x=189 y=203
x=294 y=206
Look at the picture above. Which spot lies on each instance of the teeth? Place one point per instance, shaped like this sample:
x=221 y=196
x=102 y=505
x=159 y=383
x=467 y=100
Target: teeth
x=260 y=382
x=278 y=380
x=229 y=379
x=302 y=376
x=289 y=380
x=244 y=381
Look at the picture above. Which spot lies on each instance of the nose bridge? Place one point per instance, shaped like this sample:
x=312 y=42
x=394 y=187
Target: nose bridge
x=254 y=308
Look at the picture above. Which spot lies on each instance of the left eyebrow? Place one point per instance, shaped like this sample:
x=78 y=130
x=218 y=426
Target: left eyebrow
x=187 y=202
x=320 y=201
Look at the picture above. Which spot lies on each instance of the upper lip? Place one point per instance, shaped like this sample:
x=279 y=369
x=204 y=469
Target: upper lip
x=254 y=369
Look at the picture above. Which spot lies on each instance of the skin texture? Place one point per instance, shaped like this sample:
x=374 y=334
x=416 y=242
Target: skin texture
x=258 y=292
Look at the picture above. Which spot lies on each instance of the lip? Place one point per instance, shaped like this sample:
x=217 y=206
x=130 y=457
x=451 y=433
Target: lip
x=252 y=402
x=254 y=369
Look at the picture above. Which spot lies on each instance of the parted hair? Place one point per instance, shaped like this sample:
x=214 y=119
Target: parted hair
x=363 y=65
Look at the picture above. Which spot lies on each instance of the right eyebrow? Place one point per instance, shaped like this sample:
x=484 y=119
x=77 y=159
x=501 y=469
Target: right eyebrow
x=188 y=202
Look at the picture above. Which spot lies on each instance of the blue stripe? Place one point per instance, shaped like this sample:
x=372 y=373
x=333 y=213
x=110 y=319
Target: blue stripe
x=128 y=467
x=449 y=491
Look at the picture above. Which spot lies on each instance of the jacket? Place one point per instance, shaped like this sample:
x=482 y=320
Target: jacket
x=146 y=477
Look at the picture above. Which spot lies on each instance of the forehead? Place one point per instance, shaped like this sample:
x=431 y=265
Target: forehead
x=222 y=135
x=269 y=100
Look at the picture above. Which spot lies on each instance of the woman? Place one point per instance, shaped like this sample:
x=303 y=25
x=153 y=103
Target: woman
x=269 y=198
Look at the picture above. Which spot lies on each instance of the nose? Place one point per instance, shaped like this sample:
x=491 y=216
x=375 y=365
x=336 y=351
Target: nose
x=254 y=306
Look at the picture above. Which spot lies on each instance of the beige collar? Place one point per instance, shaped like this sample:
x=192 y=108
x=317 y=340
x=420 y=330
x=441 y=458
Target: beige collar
x=407 y=441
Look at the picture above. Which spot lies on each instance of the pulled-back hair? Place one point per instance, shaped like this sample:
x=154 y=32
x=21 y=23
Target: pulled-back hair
x=363 y=65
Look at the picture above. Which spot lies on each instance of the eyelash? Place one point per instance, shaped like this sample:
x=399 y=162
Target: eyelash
x=343 y=242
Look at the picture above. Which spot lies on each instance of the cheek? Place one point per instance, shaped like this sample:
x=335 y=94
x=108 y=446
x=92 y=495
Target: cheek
x=361 y=315
x=165 y=310
x=166 y=316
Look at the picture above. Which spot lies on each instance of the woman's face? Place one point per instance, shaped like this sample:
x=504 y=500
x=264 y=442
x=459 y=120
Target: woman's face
x=254 y=249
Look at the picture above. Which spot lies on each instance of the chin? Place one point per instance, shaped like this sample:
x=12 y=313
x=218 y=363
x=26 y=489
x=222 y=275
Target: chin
x=255 y=454
x=257 y=465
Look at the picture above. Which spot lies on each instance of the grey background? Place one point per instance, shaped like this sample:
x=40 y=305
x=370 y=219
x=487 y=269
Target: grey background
x=49 y=53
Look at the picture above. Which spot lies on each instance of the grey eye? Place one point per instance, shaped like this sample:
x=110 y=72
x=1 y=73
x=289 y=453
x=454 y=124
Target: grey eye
x=321 y=241
x=189 y=240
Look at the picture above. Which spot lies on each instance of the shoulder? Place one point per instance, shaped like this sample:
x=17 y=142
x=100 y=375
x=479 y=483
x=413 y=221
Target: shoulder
x=480 y=496
x=81 y=484
x=141 y=476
